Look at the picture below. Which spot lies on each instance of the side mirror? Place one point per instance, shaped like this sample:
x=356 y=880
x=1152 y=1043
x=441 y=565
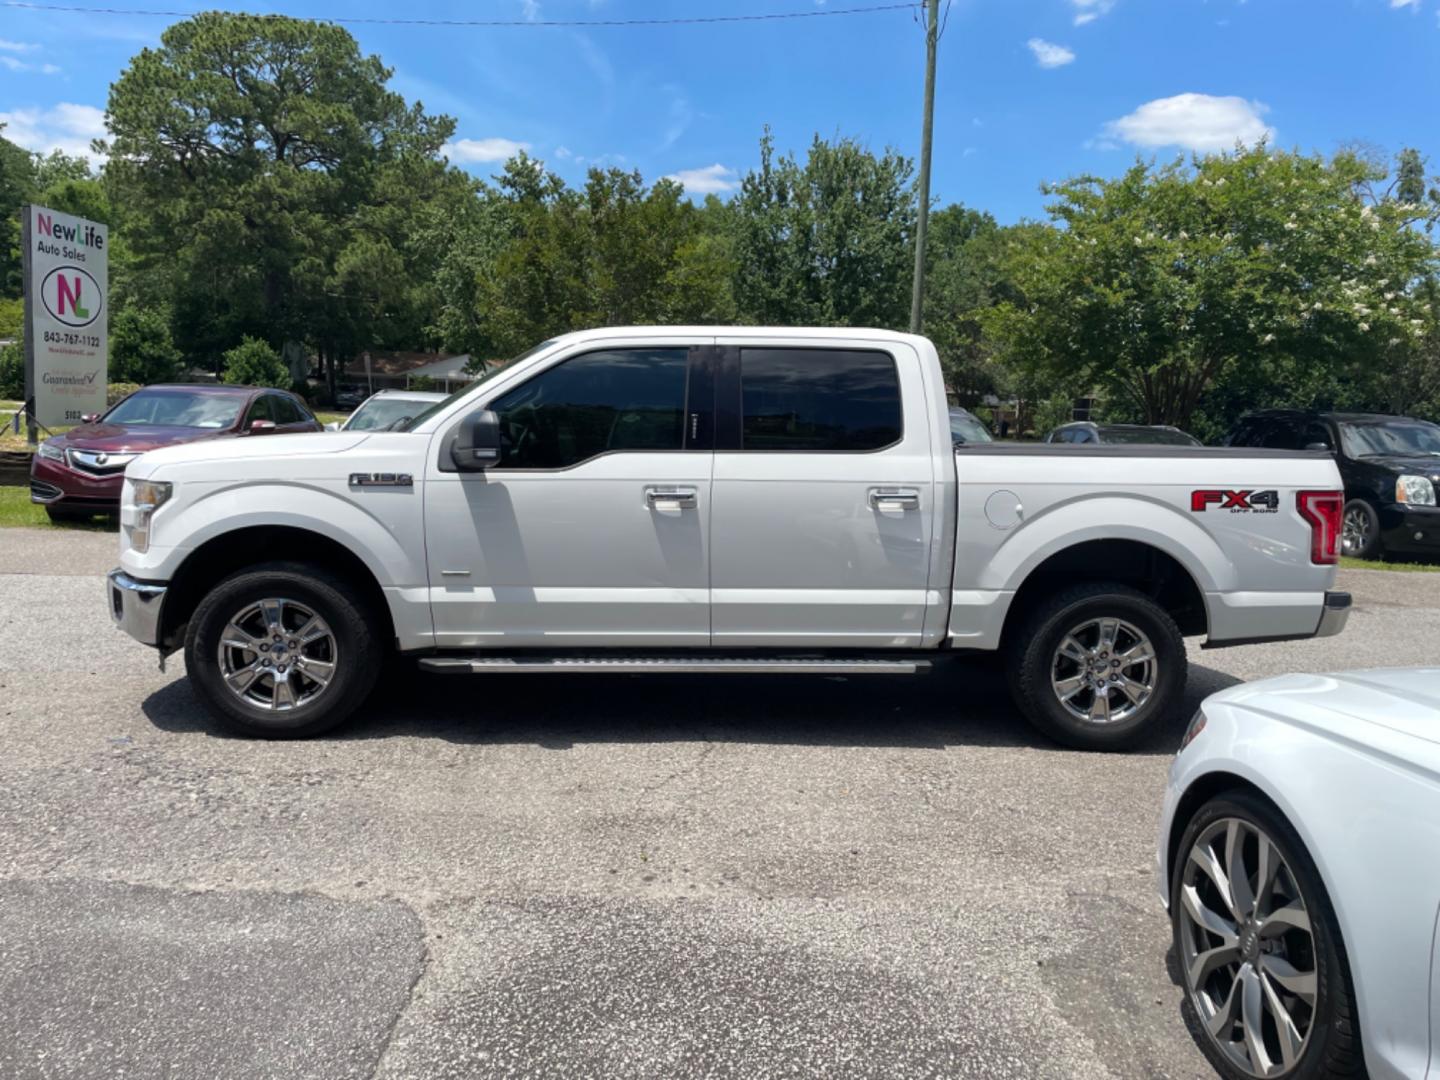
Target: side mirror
x=333 y=425
x=1318 y=446
x=477 y=442
x=90 y=418
x=261 y=427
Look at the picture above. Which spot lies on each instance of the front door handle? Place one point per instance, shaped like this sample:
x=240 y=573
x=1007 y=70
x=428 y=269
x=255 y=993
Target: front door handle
x=894 y=500
x=669 y=498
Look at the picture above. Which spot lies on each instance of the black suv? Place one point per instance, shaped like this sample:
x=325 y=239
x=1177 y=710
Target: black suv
x=1390 y=466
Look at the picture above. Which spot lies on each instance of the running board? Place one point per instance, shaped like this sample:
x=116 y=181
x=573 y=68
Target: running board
x=581 y=665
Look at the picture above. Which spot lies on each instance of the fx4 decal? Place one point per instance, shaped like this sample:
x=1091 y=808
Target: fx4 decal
x=1261 y=502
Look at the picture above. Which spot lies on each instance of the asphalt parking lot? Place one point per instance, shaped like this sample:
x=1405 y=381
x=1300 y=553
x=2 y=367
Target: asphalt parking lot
x=658 y=877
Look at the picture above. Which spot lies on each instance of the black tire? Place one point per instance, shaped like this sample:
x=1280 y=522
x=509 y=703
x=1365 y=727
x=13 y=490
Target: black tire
x=360 y=653
x=1333 y=1049
x=1369 y=545
x=1030 y=657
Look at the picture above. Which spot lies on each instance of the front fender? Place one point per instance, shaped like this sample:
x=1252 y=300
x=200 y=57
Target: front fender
x=386 y=532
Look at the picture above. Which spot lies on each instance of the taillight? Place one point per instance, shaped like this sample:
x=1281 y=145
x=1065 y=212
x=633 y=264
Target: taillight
x=1323 y=510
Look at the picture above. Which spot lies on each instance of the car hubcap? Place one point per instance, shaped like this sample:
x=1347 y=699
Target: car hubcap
x=1247 y=948
x=1103 y=671
x=277 y=654
x=1355 y=532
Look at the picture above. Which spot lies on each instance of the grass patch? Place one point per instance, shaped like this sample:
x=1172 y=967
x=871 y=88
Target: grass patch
x=331 y=417
x=16 y=510
x=1347 y=563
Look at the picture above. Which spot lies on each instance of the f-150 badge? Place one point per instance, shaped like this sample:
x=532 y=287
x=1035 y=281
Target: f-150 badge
x=381 y=479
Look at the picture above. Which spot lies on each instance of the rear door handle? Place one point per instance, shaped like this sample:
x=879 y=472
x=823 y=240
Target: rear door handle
x=669 y=498
x=894 y=500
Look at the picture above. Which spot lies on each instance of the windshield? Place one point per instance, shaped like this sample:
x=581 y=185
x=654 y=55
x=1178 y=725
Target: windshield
x=967 y=428
x=1147 y=436
x=178 y=408
x=494 y=370
x=1390 y=437
x=379 y=413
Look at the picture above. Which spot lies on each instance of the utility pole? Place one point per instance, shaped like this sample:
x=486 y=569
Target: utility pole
x=932 y=35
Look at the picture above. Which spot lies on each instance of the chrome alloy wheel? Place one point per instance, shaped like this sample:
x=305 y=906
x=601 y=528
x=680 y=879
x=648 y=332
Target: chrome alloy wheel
x=277 y=654
x=1103 y=670
x=1248 y=952
x=1355 y=531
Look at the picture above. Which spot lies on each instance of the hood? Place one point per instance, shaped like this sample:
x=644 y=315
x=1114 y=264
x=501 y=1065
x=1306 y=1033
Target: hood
x=1404 y=700
x=1418 y=464
x=113 y=438
x=253 y=447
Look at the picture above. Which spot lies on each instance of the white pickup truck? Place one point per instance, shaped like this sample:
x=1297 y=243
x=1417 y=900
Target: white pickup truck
x=710 y=500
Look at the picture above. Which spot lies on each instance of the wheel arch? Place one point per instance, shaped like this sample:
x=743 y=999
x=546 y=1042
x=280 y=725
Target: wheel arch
x=1142 y=565
x=225 y=554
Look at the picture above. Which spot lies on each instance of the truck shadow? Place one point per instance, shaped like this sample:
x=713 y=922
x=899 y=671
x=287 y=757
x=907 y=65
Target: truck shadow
x=963 y=702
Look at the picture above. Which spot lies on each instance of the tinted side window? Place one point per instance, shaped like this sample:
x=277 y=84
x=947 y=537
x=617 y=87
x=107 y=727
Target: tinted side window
x=596 y=403
x=263 y=408
x=287 y=411
x=1281 y=435
x=818 y=399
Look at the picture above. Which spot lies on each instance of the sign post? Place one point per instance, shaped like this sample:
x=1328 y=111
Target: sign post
x=66 y=316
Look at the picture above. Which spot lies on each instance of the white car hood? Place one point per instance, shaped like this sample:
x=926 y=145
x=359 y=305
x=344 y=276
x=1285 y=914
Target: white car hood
x=245 y=447
x=1405 y=700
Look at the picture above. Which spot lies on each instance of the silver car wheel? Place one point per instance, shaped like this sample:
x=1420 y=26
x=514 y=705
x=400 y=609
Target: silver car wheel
x=1355 y=531
x=1247 y=949
x=1103 y=671
x=277 y=654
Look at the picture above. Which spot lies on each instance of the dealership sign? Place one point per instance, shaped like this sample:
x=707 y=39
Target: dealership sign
x=66 y=288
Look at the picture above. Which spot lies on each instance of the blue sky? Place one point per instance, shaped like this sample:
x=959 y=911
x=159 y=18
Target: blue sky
x=1028 y=90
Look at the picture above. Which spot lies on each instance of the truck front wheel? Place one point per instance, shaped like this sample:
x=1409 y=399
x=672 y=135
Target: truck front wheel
x=1096 y=666
x=282 y=650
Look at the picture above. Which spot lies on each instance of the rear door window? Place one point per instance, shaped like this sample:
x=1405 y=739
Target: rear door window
x=819 y=400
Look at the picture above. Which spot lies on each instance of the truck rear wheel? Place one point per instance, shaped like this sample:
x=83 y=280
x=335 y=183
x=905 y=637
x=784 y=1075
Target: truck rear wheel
x=283 y=650
x=1097 y=666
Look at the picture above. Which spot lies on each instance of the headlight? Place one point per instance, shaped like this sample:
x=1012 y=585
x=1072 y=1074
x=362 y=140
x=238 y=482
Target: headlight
x=1414 y=490
x=148 y=496
x=50 y=451
x=1197 y=725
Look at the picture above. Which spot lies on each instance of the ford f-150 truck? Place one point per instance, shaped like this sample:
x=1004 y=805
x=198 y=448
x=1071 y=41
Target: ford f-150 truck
x=716 y=500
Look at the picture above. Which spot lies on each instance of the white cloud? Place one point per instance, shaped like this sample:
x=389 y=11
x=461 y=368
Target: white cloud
x=66 y=126
x=1192 y=121
x=1415 y=4
x=712 y=179
x=1087 y=11
x=1050 y=55
x=482 y=150
x=530 y=9
x=17 y=46
x=563 y=153
x=12 y=64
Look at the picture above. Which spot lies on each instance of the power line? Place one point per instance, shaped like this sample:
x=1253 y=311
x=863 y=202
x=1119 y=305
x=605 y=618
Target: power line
x=773 y=16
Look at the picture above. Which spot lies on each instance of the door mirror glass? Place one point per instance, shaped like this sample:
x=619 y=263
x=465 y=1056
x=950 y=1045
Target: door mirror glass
x=261 y=427
x=1318 y=446
x=90 y=418
x=477 y=442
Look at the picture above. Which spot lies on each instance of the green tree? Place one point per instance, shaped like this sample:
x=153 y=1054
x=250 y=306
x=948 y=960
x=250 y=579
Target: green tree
x=254 y=363
x=1254 y=268
x=260 y=161
x=17 y=187
x=537 y=258
x=12 y=372
x=826 y=243
x=141 y=348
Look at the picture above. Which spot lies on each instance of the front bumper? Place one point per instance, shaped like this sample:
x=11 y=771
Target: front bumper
x=1335 y=615
x=54 y=483
x=135 y=606
x=1411 y=529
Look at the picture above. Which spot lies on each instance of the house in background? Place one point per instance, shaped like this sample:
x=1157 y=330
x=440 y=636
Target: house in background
x=397 y=370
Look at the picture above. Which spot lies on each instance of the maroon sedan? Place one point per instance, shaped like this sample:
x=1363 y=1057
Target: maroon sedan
x=80 y=473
